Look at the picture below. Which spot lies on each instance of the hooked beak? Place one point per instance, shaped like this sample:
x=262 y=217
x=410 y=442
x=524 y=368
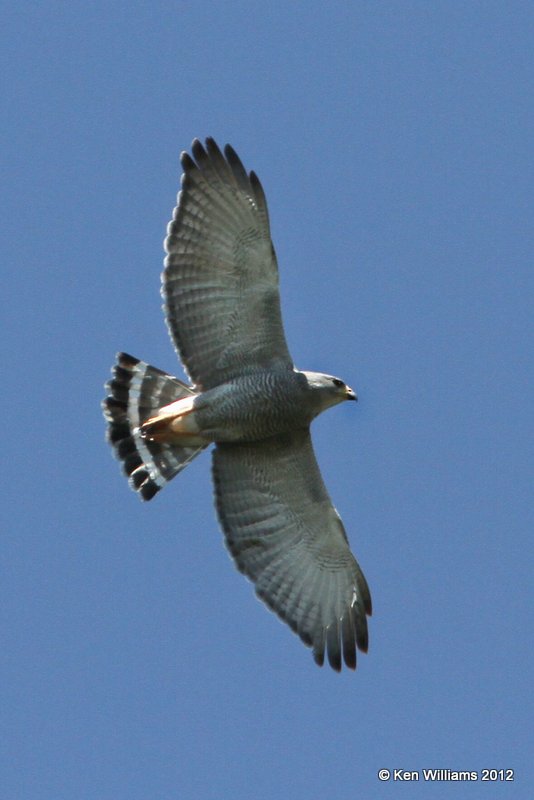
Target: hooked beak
x=350 y=394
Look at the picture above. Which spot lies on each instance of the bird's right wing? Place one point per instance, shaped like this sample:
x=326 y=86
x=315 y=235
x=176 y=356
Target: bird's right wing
x=220 y=282
x=286 y=536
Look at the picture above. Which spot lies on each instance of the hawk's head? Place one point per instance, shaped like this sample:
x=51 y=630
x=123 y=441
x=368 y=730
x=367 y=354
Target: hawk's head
x=326 y=390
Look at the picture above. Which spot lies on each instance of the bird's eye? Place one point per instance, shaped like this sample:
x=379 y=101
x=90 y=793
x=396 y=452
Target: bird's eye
x=337 y=382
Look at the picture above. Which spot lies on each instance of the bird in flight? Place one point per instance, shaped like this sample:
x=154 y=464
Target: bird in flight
x=222 y=308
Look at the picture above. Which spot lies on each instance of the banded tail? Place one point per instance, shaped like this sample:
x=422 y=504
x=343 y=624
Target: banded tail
x=136 y=392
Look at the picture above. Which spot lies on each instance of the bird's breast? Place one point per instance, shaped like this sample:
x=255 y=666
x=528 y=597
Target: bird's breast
x=251 y=408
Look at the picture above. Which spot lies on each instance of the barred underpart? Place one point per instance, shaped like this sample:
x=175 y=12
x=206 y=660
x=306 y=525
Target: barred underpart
x=136 y=392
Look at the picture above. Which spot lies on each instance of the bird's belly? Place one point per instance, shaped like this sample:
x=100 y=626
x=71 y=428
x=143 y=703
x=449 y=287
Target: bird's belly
x=249 y=411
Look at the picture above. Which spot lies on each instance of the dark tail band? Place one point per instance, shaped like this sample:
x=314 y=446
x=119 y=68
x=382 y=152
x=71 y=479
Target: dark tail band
x=136 y=392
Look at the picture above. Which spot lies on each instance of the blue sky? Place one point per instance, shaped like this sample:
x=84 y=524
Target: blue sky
x=394 y=142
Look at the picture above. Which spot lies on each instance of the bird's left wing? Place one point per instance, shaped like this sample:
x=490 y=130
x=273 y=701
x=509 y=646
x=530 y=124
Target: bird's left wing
x=286 y=536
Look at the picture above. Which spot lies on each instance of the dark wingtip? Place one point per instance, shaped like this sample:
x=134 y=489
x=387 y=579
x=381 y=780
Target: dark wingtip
x=188 y=165
x=334 y=659
x=256 y=185
x=333 y=649
x=197 y=148
x=233 y=159
x=212 y=147
x=362 y=638
x=230 y=153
